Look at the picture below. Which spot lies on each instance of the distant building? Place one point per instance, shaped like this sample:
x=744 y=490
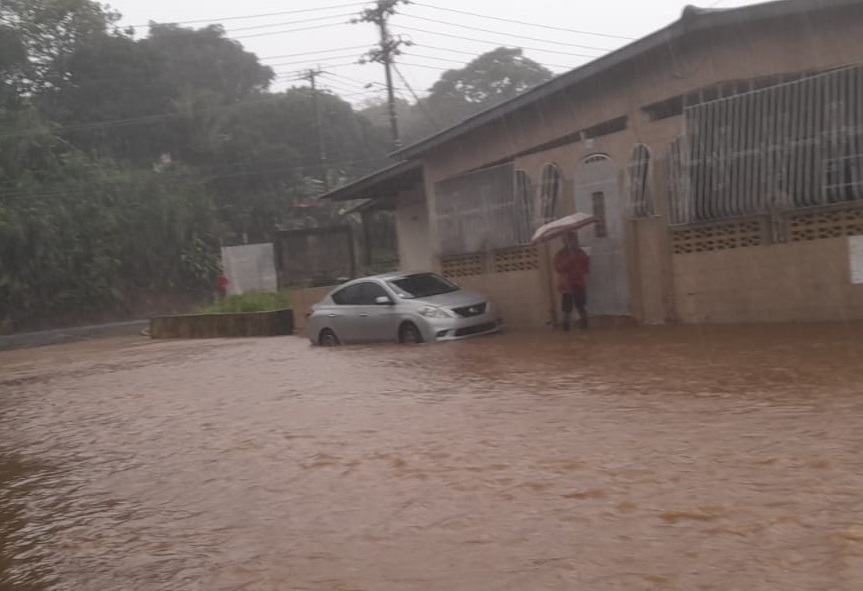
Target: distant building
x=723 y=154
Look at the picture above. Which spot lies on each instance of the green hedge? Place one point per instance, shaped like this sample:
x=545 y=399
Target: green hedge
x=252 y=301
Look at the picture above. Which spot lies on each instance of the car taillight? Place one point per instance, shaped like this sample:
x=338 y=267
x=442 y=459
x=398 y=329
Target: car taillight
x=309 y=313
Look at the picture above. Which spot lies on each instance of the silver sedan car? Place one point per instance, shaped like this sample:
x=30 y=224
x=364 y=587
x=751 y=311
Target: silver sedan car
x=400 y=307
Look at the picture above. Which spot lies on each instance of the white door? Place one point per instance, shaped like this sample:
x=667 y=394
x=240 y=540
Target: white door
x=597 y=192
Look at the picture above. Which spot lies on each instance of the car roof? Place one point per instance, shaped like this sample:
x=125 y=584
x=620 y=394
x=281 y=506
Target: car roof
x=385 y=276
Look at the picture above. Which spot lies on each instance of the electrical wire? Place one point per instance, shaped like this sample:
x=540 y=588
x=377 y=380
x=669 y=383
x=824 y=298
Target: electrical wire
x=444 y=59
x=495 y=43
x=312 y=61
x=521 y=23
x=506 y=34
x=200 y=175
x=334 y=50
x=264 y=15
x=316 y=27
x=289 y=23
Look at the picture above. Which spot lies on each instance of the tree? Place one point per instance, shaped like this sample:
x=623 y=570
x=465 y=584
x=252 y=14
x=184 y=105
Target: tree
x=125 y=163
x=49 y=32
x=490 y=79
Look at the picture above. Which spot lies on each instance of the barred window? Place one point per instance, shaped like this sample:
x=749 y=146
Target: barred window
x=639 y=181
x=549 y=193
x=524 y=207
x=790 y=146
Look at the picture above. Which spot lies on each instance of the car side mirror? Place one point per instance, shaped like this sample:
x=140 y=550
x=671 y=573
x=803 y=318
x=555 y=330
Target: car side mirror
x=383 y=301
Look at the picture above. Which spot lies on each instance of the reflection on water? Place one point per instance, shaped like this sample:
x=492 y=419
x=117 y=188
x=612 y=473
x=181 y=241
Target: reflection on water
x=668 y=458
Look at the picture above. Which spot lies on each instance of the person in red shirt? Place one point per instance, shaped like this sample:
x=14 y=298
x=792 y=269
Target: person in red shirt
x=572 y=265
x=222 y=285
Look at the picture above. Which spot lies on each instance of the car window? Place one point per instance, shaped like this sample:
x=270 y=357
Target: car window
x=369 y=292
x=348 y=296
x=359 y=294
x=422 y=285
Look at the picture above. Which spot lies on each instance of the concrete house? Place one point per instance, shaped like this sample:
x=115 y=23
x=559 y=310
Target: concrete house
x=723 y=155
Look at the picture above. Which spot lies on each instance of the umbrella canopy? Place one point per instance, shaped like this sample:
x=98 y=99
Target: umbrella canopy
x=560 y=227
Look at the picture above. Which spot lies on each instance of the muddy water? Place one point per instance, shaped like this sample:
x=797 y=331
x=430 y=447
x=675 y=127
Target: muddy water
x=681 y=459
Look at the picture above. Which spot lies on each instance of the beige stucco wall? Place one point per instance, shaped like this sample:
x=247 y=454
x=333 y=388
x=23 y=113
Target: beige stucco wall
x=784 y=282
x=301 y=301
x=412 y=231
x=747 y=51
x=519 y=296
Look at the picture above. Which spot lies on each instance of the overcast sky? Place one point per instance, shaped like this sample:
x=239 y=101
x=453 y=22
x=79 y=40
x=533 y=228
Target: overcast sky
x=443 y=37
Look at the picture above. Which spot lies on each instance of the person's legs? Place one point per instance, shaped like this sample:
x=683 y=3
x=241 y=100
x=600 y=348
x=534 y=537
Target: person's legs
x=579 y=296
x=566 y=307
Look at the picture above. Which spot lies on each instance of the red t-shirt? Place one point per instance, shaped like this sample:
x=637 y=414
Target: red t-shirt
x=222 y=283
x=571 y=267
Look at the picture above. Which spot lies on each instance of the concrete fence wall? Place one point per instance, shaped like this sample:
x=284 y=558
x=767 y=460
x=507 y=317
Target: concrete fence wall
x=301 y=301
x=801 y=281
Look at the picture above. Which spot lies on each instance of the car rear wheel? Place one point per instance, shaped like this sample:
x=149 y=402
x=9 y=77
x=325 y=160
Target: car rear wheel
x=328 y=338
x=410 y=334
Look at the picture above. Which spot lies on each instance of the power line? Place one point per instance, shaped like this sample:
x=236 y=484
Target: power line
x=476 y=55
x=361 y=82
x=290 y=30
x=350 y=87
x=289 y=23
x=156 y=118
x=449 y=24
x=386 y=49
x=516 y=22
x=443 y=59
x=282 y=75
x=420 y=103
x=439 y=69
x=334 y=50
x=311 y=60
x=495 y=43
x=202 y=176
x=264 y=15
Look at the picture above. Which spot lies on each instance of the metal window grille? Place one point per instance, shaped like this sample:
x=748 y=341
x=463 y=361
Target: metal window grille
x=600 y=229
x=476 y=212
x=524 y=206
x=549 y=193
x=794 y=145
x=638 y=176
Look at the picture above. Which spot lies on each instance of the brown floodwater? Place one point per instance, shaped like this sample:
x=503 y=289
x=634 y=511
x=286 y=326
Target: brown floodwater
x=665 y=458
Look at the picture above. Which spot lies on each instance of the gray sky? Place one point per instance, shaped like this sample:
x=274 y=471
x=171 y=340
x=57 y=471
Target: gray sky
x=441 y=37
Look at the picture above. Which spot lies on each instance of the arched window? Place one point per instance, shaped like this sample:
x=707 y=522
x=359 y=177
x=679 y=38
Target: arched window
x=523 y=207
x=638 y=177
x=549 y=193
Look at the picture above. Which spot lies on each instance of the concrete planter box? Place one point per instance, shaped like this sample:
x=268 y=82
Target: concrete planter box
x=209 y=326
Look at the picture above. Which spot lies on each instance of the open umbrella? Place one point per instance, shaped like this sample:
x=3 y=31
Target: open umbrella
x=561 y=226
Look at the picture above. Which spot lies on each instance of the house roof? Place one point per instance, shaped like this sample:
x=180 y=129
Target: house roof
x=386 y=182
x=693 y=20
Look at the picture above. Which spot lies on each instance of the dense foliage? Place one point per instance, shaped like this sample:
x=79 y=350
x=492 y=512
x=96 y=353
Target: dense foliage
x=126 y=163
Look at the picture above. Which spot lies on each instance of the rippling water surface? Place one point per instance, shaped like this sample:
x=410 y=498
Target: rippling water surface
x=686 y=459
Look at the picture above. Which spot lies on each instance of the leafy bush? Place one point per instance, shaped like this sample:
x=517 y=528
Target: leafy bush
x=252 y=301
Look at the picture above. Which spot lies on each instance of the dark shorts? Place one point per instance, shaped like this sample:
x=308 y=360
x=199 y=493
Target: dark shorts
x=577 y=298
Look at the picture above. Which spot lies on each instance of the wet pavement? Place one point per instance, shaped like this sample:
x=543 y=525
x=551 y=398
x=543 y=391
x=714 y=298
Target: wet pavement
x=667 y=458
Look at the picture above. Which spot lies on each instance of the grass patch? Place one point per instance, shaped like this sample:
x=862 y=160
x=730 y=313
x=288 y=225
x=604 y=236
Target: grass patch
x=251 y=301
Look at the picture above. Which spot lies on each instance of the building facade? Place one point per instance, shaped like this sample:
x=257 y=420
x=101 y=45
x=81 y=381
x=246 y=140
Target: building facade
x=722 y=155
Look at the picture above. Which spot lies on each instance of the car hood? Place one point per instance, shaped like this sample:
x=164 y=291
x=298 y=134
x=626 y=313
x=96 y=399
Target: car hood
x=455 y=299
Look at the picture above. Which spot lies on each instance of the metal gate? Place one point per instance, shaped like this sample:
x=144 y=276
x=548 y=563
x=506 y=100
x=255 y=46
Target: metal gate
x=597 y=192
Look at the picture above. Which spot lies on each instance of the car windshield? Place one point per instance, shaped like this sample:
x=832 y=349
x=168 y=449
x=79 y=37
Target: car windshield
x=422 y=285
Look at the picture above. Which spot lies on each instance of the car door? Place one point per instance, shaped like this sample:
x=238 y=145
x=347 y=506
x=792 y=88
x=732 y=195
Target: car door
x=344 y=316
x=377 y=322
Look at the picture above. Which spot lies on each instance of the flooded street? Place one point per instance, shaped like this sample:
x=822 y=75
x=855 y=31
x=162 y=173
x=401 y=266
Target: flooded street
x=669 y=458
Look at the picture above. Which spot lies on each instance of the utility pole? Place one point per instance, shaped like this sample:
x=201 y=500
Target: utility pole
x=387 y=49
x=312 y=77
